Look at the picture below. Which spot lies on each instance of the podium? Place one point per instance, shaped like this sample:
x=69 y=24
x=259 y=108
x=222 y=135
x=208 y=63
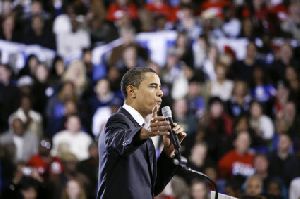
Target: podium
x=220 y=196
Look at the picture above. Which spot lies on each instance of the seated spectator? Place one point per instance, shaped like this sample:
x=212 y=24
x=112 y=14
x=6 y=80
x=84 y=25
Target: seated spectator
x=9 y=30
x=286 y=167
x=218 y=128
x=275 y=189
x=262 y=90
x=38 y=34
x=238 y=104
x=238 y=161
x=9 y=96
x=186 y=21
x=72 y=139
x=261 y=165
x=55 y=110
x=221 y=87
x=44 y=163
x=261 y=124
x=33 y=120
x=23 y=144
x=243 y=69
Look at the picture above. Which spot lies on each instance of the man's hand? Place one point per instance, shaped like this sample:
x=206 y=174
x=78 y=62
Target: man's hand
x=169 y=148
x=158 y=126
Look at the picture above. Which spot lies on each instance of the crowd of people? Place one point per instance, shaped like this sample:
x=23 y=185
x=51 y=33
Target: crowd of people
x=242 y=115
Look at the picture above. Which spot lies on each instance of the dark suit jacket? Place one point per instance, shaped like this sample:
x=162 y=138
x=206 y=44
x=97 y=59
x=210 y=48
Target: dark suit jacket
x=128 y=166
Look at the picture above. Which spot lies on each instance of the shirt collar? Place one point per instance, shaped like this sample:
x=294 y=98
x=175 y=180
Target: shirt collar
x=135 y=114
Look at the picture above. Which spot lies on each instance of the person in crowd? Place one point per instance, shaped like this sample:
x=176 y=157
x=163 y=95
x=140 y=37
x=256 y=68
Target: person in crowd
x=261 y=124
x=72 y=139
x=199 y=189
x=240 y=99
x=55 y=110
x=22 y=143
x=73 y=189
x=238 y=161
x=221 y=87
x=9 y=95
x=33 y=120
x=286 y=167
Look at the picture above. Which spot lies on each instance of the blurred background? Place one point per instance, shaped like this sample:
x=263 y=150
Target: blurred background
x=228 y=68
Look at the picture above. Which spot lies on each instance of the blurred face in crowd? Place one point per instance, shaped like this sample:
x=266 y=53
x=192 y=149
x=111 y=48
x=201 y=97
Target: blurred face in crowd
x=73 y=124
x=59 y=67
x=29 y=193
x=251 y=51
x=240 y=89
x=129 y=57
x=4 y=75
x=37 y=24
x=242 y=142
x=73 y=189
x=216 y=109
x=198 y=154
x=220 y=72
x=68 y=90
x=42 y=73
x=102 y=87
x=256 y=110
x=254 y=186
x=8 y=24
x=273 y=188
x=36 y=8
x=180 y=107
x=199 y=190
x=284 y=143
x=26 y=103
x=33 y=63
x=285 y=53
x=261 y=164
x=70 y=107
x=18 y=126
x=290 y=73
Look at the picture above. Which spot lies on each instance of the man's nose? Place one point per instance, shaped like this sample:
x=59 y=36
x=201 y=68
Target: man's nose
x=160 y=93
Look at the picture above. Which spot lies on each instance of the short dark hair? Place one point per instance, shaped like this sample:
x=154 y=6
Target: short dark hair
x=134 y=77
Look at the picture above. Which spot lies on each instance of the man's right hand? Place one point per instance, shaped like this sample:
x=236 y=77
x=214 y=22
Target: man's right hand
x=158 y=126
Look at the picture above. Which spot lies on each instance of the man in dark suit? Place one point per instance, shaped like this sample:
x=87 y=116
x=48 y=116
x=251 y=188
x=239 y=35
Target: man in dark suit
x=128 y=166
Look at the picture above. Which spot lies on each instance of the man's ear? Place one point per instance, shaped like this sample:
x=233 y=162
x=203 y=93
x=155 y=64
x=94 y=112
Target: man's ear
x=131 y=91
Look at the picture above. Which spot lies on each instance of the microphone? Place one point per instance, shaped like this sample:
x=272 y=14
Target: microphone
x=167 y=113
x=180 y=160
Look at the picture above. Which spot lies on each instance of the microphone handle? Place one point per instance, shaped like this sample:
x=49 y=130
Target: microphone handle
x=173 y=137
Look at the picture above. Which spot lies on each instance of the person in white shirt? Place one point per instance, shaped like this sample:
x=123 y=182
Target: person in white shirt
x=72 y=139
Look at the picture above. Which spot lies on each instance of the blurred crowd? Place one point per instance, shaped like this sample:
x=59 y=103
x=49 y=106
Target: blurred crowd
x=242 y=116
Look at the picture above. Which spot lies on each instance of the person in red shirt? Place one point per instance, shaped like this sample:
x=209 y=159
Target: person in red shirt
x=44 y=162
x=238 y=161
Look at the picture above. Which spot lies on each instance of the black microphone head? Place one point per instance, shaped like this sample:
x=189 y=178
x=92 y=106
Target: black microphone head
x=166 y=112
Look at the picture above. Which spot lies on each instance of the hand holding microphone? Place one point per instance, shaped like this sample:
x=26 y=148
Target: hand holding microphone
x=175 y=137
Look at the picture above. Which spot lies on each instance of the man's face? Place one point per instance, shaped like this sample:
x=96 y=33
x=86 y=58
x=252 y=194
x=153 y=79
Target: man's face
x=148 y=94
